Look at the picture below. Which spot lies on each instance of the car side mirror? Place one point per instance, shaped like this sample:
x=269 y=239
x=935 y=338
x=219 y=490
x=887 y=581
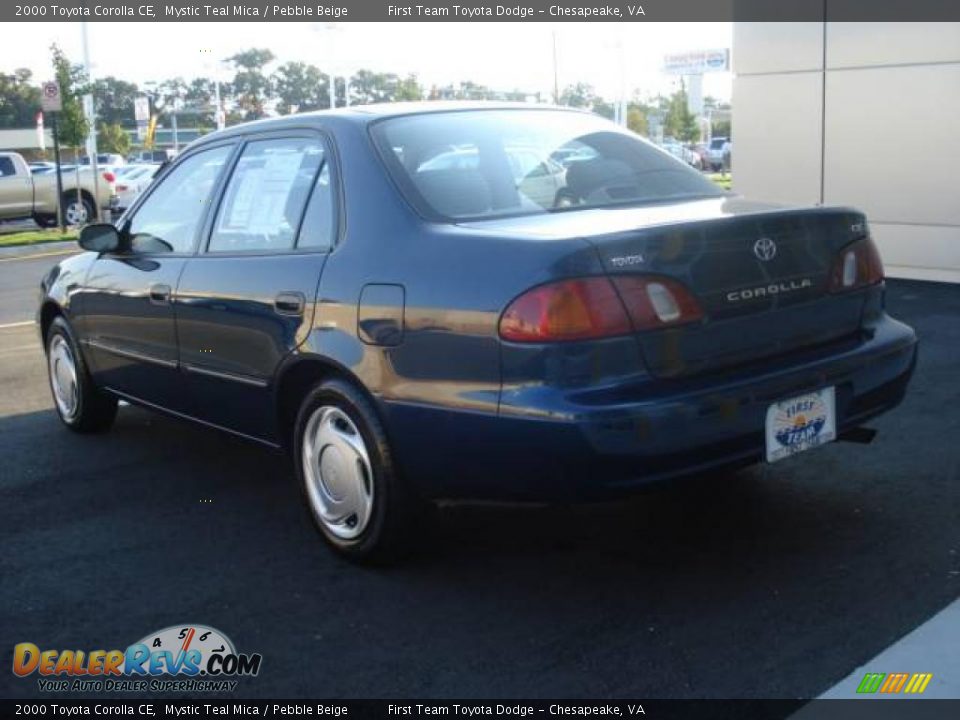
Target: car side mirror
x=100 y=238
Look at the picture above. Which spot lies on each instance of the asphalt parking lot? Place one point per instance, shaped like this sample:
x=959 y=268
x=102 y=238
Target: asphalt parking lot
x=772 y=582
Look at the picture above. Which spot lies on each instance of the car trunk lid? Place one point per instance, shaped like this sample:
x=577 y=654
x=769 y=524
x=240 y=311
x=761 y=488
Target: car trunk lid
x=761 y=279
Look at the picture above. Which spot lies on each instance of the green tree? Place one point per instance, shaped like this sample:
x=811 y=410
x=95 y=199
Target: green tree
x=409 y=88
x=470 y=90
x=19 y=99
x=720 y=128
x=637 y=120
x=301 y=86
x=72 y=123
x=114 y=99
x=679 y=122
x=580 y=95
x=367 y=86
x=603 y=108
x=112 y=138
x=252 y=88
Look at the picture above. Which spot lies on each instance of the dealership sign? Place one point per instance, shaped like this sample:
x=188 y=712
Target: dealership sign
x=697 y=62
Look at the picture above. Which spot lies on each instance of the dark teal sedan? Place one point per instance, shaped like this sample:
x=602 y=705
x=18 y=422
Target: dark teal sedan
x=472 y=301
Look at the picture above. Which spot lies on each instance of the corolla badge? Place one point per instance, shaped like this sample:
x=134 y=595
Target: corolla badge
x=765 y=249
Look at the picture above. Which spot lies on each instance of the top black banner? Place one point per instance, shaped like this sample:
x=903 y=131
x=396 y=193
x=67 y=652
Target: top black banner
x=483 y=11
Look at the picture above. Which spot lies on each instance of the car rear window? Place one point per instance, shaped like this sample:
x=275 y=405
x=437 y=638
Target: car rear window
x=477 y=164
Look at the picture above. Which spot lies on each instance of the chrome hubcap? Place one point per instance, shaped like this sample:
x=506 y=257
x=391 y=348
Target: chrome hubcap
x=337 y=472
x=63 y=377
x=75 y=213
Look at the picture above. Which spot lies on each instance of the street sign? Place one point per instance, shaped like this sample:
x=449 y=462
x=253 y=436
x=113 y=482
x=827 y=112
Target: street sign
x=141 y=109
x=50 y=100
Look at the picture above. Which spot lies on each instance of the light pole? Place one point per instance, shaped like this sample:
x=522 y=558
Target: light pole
x=332 y=30
x=91 y=113
x=556 y=81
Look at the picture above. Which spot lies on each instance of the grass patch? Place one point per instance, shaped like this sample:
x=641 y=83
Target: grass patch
x=725 y=182
x=36 y=237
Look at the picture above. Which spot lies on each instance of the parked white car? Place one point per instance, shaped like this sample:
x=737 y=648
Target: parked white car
x=131 y=181
x=684 y=153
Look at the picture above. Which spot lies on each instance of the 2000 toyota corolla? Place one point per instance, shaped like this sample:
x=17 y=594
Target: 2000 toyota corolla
x=432 y=301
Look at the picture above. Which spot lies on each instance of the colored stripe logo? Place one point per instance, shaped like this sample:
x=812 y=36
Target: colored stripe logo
x=893 y=683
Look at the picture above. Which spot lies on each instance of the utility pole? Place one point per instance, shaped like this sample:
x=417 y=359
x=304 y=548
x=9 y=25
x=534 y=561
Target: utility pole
x=556 y=82
x=332 y=28
x=92 y=121
x=56 y=157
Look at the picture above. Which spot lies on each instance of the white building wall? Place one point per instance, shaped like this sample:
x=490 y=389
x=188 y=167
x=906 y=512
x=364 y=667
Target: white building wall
x=861 y=114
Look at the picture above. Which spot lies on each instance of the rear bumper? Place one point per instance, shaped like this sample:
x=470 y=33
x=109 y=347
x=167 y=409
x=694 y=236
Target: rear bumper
x=557 y=449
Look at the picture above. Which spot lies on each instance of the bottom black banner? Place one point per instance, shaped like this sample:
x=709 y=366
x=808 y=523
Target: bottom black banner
x=469 y=709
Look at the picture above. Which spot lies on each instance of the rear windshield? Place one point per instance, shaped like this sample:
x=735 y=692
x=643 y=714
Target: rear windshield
x=496 y=163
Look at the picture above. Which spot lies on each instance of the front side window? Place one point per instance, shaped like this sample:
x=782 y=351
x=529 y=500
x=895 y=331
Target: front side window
x=264 y=201
x=493 y=163
x=169 y=218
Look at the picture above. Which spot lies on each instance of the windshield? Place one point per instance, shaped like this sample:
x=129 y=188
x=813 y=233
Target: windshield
x=494 y=163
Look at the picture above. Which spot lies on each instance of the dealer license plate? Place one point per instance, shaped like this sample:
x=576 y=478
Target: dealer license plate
x=801 y=423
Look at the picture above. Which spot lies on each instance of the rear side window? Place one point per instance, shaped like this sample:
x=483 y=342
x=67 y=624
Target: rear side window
x=6 y=167
x=493 y=163
x=318 y=227
x=264 y=201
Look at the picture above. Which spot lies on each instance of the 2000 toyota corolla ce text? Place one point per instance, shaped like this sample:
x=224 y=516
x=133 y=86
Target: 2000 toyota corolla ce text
x=437 y=301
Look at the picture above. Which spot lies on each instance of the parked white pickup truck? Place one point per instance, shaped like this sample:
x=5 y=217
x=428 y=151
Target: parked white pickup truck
x=24 y=195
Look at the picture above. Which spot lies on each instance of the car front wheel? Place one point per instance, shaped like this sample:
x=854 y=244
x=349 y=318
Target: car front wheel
x=80 y=405
x=356 y=497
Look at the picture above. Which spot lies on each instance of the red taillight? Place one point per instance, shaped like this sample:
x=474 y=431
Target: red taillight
x=109 y=176
x=596 y=307
x=655 y=302
x=568 y=310
x=857 y=266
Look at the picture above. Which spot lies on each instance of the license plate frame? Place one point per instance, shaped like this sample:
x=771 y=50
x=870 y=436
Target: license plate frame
x=800 y=423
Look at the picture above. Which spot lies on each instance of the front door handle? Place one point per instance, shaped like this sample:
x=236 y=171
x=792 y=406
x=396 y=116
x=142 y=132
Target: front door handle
x=160 y=294
x=290 y=303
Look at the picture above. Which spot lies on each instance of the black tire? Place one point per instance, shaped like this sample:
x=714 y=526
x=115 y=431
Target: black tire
x=70 y=198
x=395 y=506
x=44 y=220
x=95 y=410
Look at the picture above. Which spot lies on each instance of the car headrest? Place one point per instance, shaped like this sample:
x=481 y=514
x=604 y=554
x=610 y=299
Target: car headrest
x=455 y=192
x=586 y=176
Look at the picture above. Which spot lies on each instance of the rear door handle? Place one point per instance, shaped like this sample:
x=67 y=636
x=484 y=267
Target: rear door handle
x=289 y=303
x=160 y=294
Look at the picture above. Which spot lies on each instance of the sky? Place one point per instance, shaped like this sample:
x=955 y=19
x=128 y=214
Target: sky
x=502 y=56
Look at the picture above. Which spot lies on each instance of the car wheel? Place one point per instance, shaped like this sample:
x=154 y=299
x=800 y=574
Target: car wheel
x=45 y=221
x=80 y=405
x=356 y=498
x=77 y=211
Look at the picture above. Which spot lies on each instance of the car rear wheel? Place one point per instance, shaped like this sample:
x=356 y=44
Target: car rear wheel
x=80 y=405
x=356 y=497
